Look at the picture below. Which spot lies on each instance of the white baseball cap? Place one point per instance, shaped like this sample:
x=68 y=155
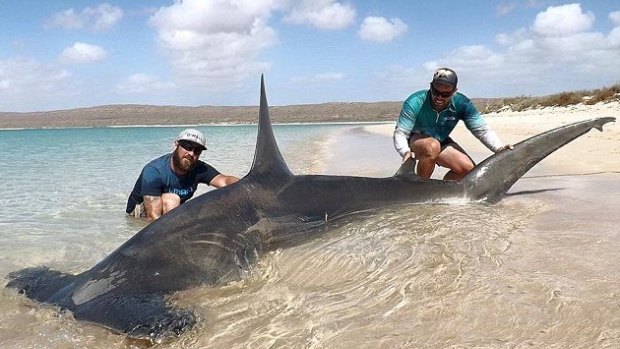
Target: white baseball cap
x=193 y=135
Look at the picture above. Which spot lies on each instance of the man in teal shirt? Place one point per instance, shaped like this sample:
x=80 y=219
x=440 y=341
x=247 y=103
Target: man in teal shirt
x=426 y=120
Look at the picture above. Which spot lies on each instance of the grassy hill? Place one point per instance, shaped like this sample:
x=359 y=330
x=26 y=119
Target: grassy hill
x=126 y=115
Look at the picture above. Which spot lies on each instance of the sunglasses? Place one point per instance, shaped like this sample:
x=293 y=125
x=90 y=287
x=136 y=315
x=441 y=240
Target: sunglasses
x=191 y=146
x=436 y=92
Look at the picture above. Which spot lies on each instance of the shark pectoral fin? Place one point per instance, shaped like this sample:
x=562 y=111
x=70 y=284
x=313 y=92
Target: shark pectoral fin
x=141 y=316
x=407 y=170
x=41 y=283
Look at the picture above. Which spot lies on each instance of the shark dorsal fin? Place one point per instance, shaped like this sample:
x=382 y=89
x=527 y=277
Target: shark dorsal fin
x=267 y=157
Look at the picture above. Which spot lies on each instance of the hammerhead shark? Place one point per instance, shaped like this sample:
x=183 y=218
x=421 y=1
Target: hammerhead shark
x=217 y=237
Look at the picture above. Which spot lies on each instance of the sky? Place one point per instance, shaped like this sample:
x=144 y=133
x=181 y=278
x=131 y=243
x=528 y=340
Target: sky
x=62 y=54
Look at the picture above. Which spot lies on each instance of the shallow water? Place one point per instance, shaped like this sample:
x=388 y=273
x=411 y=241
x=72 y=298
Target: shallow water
x=537 y=270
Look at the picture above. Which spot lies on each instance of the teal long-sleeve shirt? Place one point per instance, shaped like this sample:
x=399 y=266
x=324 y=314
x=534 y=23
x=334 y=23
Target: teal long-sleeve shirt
x=418 y=116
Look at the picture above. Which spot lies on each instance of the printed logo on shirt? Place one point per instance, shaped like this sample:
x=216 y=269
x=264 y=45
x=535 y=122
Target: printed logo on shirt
x=181 y=192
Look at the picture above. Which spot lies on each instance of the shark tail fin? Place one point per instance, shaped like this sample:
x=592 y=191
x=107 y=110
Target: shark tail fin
x=267 y=158
x=492 y=178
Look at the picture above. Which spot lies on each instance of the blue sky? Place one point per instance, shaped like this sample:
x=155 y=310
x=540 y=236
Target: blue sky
x=66 y=54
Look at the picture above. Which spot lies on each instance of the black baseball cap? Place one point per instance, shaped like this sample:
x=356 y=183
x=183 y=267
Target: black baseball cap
x=445 y=76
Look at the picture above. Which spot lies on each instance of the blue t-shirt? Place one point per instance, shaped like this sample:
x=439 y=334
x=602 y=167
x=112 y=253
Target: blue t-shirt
x=418 y=115
x=157 y=177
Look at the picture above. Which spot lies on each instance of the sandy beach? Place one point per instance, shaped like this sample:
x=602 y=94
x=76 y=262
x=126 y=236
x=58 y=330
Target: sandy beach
x=591 y=153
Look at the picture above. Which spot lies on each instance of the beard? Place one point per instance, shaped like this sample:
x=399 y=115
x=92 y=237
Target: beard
x=183 y=164
x=440 y=104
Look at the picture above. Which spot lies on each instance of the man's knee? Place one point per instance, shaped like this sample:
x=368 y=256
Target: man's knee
x=170 y=201
x=463 y=167
x=426 y=148
x=466 y=167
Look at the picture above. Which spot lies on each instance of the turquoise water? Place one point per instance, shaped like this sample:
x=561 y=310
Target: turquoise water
x=64 y=186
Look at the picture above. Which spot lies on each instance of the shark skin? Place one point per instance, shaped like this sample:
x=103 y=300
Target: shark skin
x=216 y=237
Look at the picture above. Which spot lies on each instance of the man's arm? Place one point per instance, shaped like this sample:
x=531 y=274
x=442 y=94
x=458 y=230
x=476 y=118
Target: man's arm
x=152 y=189
x=222 y=180
x=402 y=144
x=488 y=137
x=405 y=124
x=481 y=130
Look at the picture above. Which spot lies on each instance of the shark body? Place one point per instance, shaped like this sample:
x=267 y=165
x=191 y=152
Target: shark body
x=216 y=237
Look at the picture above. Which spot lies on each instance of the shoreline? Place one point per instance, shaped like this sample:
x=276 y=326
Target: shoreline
x=162 y=116
x=126 y=115
x=222 y=124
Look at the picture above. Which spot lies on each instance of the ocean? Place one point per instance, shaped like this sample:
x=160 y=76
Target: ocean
x=427 y=276
x=62 y=186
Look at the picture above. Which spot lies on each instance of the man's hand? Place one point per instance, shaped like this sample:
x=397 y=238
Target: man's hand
x=408 y=155
x=506 y=147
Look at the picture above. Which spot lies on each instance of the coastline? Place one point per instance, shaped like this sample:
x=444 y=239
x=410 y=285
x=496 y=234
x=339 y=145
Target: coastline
x=218 y=124
x=127 y=115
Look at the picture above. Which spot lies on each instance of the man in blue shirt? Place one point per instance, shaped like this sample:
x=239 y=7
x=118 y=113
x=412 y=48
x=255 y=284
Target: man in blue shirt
x=172 y=179
x=426 y=120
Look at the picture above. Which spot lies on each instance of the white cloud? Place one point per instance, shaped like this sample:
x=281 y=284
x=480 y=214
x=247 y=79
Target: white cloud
x=478 y=53
x=66 y=19
x=81 y=52
x=329 y=76
x=324 y=77
x=614 y=35
x=534 y=62
x=505 y=8
x=322 y=14
x=100 y=18
x=215 y=43
x=380 y=29
x=535 y=3
x=25 y=83
x=511 y=39
x=562 y=20
x=20 y=75
x=615 y=17
x=139 y=83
